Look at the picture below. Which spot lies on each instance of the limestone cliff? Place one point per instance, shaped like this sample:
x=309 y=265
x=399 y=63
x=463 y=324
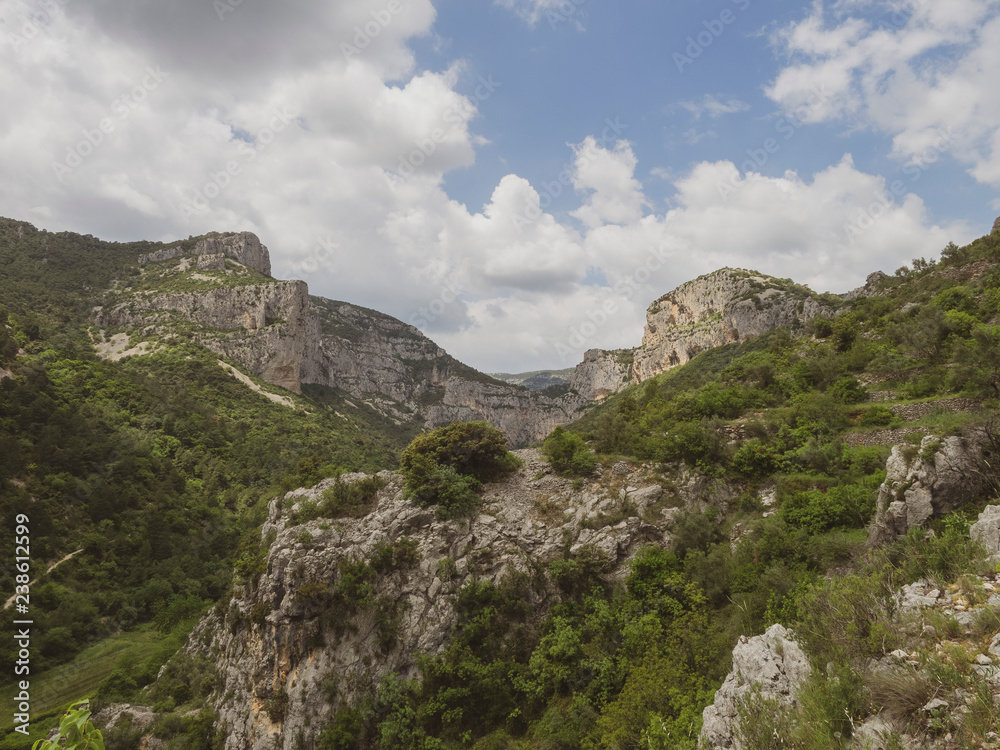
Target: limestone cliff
x=284 y=638
x=602 y=373
x=275 y=330
x=724 y=307
x=928 y=482
x=243 y=247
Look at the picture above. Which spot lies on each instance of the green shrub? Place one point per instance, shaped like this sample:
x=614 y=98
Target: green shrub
x=430 y=484
x=473 y=449
x=350 y=500
x=756 y=459
x=877 y=416
x=447 y=466
x=277 y=706
x=848 y=391
x=568 y=454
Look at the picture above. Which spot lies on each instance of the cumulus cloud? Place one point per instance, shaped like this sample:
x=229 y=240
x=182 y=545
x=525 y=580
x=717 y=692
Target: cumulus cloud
x=328 y=143
x=917 y=71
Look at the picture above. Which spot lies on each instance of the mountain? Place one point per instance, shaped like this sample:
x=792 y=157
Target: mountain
x=723 y=307
x=537 y=380
x=778 y=484
x=218 y=289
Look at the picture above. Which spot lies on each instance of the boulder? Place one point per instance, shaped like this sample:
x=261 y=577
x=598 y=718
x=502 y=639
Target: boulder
x=772 y=663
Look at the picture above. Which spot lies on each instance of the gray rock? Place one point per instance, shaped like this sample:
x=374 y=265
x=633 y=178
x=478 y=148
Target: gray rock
x=602 y=373
x=774 y=662
x=300 y=645
x=720 y=308
x=987 y=529
x=931 y=484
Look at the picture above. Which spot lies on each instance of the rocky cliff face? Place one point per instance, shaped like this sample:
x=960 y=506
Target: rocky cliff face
x=243 y=247
x=926 y=483
x=265 y=327
x=602 y=373
x=276 y=331
x=769 y=667
x=285 y=640
x=723 y=307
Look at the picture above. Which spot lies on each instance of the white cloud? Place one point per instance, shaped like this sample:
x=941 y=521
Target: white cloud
x=556 y=11
x=714 y=107
x=287 y=137
x=916 y=71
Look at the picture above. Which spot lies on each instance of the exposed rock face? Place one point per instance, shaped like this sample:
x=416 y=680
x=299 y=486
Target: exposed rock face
x=278 y=332
x=772 y=663
x=942 y=476
x=987 y=530
x=366 y=352
x=298 y=642
x=602 y=373
x=871 y=288
x=723 y=307
x=996 y=225
x=243 y=247
x=273 y=334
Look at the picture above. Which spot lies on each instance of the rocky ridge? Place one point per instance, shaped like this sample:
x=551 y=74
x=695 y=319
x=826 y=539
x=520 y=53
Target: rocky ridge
x=277 y=331
x=938 y=625
x=272 y=639
x=724 y=307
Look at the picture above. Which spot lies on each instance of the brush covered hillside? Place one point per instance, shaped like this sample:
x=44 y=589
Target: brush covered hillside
x=153 y=398
x=767 y=546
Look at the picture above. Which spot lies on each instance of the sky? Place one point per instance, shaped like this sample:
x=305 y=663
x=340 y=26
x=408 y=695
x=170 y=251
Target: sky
x=520 y=179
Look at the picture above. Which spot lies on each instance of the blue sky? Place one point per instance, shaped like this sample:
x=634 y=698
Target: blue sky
x=502 y=174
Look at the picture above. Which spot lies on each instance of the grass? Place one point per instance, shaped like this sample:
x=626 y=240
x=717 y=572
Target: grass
x=54 y=690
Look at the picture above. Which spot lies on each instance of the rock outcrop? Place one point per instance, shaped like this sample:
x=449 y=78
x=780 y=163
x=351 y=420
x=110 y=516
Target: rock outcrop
x=243 y=247
x=265 y=327
x=771 y=666
x=986 y=530
x=602 y=373
x=281 y=634
x=996 y=225
x=723 y=307
x=926 y=483
x=276 y=331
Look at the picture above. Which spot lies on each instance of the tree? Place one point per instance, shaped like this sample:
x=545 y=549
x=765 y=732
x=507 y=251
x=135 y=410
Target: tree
x=568 y=454
x=447 y=466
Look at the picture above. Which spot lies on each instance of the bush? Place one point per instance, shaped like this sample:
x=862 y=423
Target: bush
x=848 y=391
x=350 y=500
x=755 y=459
x=568 y=454
x=447 y=466
x=473 y=449
x=877 y=416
